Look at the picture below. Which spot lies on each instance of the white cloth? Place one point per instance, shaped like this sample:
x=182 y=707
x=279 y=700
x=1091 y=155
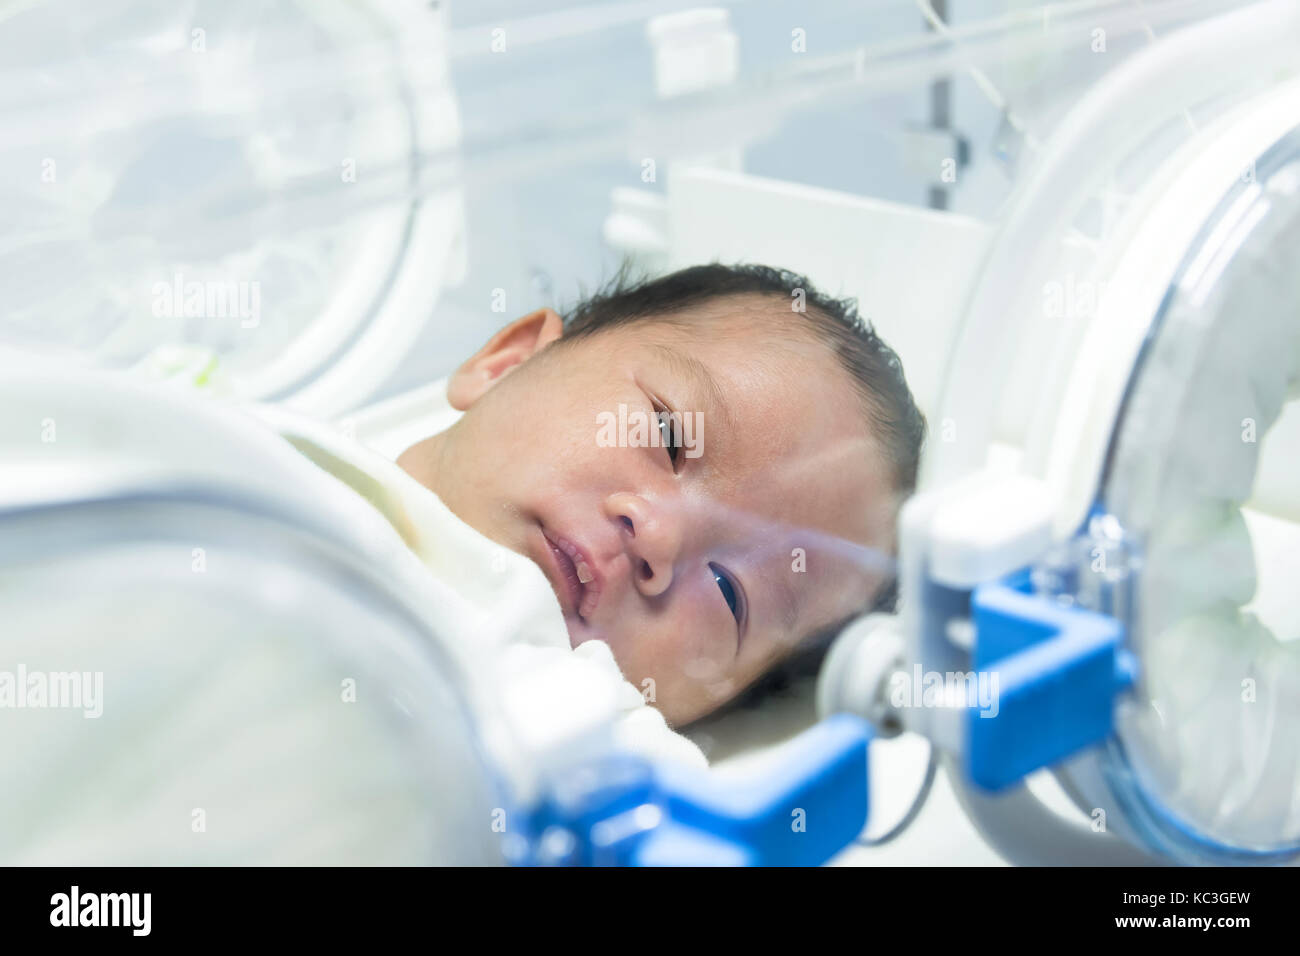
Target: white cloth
x=506 y=606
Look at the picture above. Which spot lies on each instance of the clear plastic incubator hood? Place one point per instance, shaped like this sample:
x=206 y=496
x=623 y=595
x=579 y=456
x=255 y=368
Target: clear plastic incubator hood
x=1077 y=223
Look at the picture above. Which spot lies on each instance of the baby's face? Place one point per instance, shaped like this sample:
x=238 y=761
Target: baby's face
x=699 y=565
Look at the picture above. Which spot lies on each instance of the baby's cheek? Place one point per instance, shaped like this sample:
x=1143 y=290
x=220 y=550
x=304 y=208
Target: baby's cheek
x=705 y=659
x=664 y=657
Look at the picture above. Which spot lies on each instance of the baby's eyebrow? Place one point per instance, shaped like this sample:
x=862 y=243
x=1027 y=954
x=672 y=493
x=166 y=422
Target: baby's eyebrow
x=703 y=380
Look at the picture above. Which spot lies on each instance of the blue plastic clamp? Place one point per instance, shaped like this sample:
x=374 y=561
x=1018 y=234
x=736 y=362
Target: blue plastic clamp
x=805 y=806
x=1055 y=672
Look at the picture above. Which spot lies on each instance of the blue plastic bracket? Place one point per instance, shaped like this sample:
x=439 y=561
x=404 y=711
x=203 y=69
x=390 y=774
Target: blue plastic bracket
x=805 y=806
x=1055 y=672
x=801 y=812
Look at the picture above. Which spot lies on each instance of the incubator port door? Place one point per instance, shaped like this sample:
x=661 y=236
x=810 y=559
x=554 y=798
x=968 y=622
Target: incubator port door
x=1164 y=439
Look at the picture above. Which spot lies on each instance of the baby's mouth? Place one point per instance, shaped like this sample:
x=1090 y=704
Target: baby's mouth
x=580 y=580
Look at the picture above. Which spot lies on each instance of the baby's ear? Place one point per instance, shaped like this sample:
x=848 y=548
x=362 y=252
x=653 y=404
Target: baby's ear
x=508 y=349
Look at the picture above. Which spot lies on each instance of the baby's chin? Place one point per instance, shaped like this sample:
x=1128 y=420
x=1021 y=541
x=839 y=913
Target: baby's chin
x=580 y=632
x=576 y=635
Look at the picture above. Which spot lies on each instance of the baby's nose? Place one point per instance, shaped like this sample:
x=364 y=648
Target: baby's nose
x=651 y=538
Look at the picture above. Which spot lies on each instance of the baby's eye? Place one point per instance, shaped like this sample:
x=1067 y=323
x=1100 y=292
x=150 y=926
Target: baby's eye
x=666 y=433
x=728 y=590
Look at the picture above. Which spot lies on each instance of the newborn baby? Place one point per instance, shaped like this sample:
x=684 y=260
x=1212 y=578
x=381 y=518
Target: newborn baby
x=707 y=467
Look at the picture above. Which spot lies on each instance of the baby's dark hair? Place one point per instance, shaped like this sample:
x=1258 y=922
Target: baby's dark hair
x=873 y=367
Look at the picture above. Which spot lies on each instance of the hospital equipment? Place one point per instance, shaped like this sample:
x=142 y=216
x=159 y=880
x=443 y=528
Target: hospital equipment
x=1097 y=313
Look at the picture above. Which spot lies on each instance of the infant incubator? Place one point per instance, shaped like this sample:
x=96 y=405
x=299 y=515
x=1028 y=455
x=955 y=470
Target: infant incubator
x=1076 y=223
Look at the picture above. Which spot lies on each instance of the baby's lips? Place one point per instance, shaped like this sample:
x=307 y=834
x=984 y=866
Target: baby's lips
x=587 y=576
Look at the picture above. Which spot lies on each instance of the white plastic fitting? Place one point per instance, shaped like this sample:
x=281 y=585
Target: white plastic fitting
x=855 y=676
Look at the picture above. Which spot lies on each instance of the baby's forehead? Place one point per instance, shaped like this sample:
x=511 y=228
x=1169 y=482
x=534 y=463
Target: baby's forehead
x=823 y=550
x=826 y=526
x=772 y=316
x=754 y=336
x=812 y=578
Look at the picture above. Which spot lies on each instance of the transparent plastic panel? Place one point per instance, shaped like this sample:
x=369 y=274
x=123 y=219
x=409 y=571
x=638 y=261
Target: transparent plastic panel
x=1082 y=194
x=218 y=688
x=1203 y=482
x=278 y=197
x=170 y=148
